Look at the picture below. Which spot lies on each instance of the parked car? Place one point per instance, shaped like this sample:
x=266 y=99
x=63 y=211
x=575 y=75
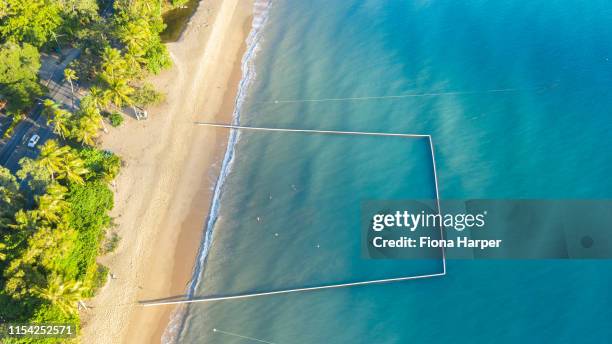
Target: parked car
x=33 y=140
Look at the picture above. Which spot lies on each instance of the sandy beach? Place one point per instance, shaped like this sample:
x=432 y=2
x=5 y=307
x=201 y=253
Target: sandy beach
x=163 y=193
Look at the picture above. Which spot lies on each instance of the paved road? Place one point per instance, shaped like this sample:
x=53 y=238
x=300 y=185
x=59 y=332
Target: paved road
x=18 y=135
x=17 y=147
x=52 y=75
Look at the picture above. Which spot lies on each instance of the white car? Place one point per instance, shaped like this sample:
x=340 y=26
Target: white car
x=33 y=140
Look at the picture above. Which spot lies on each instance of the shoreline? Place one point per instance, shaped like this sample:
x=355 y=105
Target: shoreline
x=164 y=193
x=191 y=240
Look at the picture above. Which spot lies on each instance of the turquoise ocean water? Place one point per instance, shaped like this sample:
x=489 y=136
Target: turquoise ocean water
x=516 y=96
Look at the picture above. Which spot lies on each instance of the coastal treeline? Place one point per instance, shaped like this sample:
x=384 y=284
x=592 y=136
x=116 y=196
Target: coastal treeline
x=54 y=209
x=118 y=40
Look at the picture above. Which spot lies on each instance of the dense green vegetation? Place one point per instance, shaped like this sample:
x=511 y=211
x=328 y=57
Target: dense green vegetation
x=115 y=119
x=51 y=232
x=118 y=49
x=19 y=66
x=54 y=210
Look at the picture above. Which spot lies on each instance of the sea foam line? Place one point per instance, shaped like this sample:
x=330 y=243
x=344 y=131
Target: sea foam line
x=248 y=74
x=261 y=12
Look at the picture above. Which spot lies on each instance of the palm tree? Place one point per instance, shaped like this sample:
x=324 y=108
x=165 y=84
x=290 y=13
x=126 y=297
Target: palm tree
x=25 y=221
x=2 y=254
x=50 y=107
x=119 y=92
x=133 y=63
x=58 y=118
x=115 y=76
x=136 y=35
x=51 y=157
x=70 y=76
x=63 y=294
x=72 y=168
x=113 y=64
x=10 y=197
x=88 y=109
x=96 y=98
x=51 y=205
x=86 y=131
